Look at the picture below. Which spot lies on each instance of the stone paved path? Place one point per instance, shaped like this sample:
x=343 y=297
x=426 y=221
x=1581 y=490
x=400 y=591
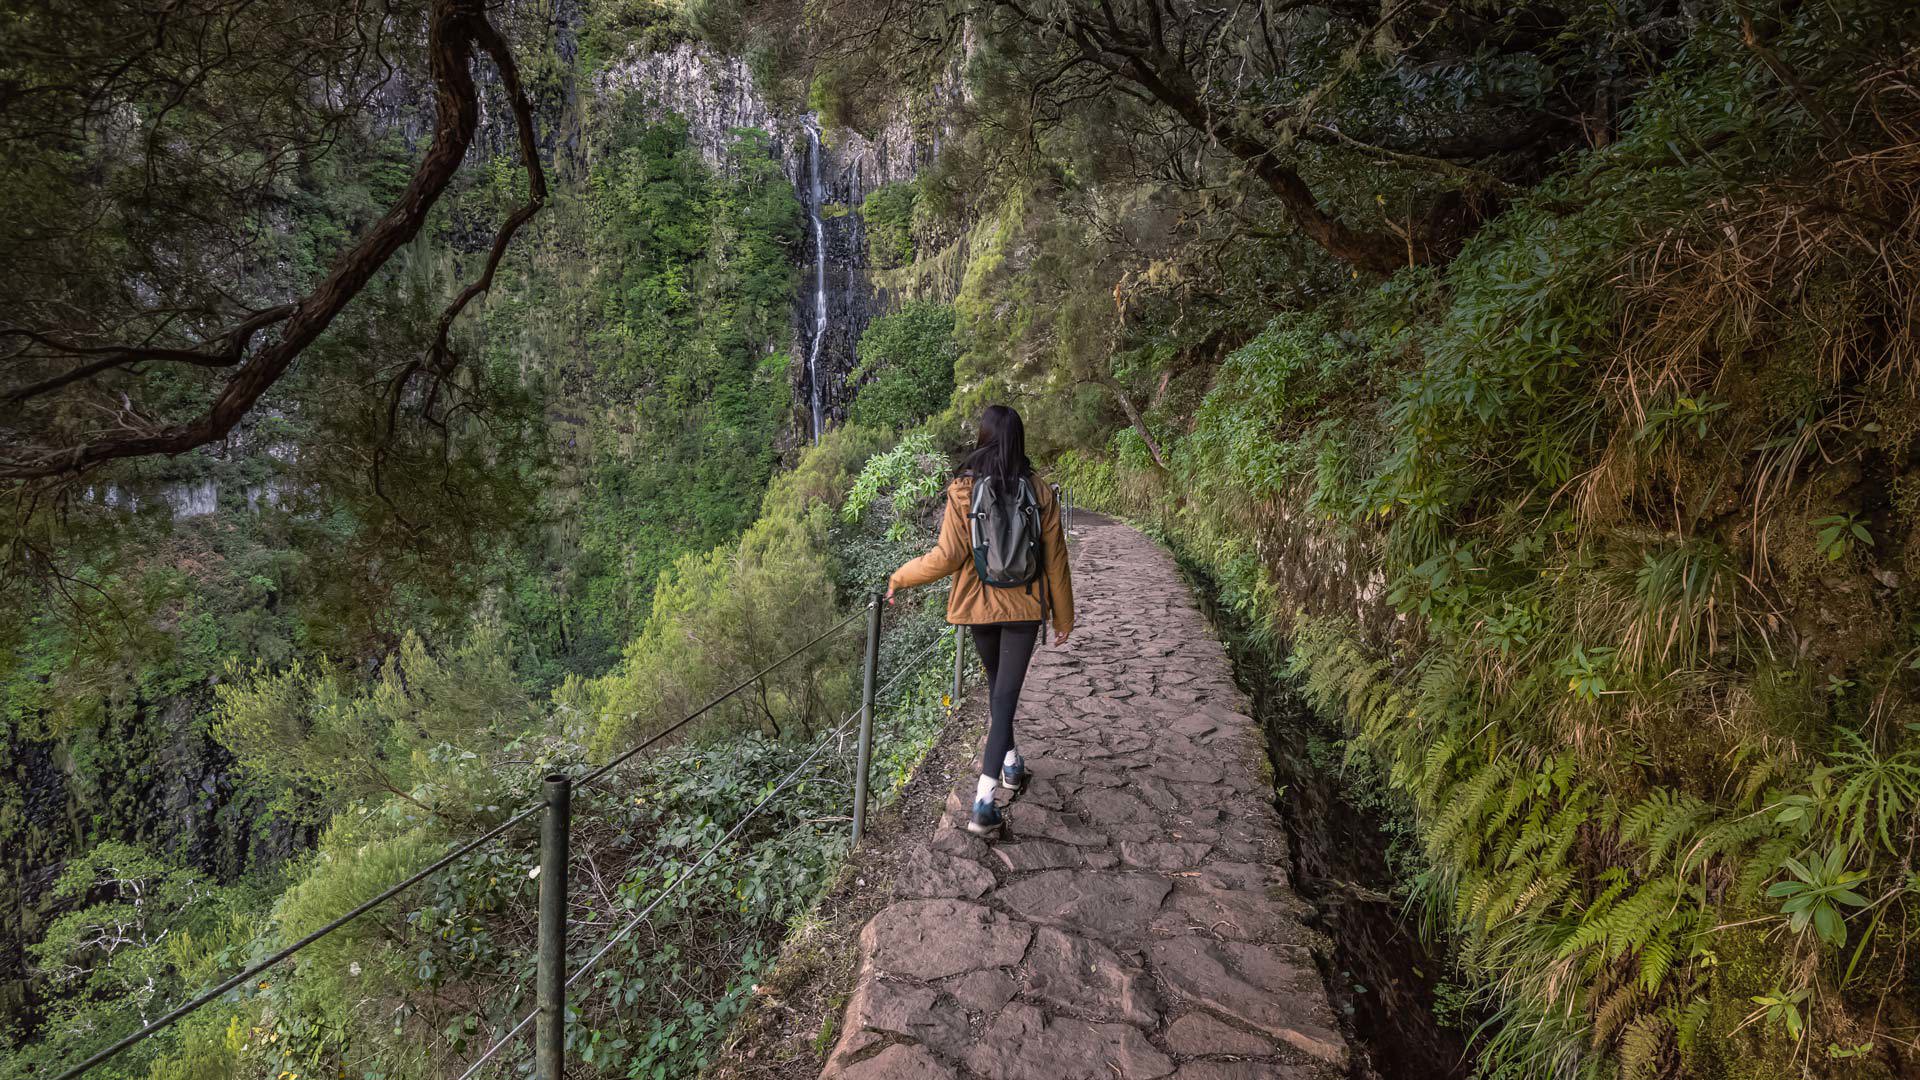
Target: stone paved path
x=1134 y=920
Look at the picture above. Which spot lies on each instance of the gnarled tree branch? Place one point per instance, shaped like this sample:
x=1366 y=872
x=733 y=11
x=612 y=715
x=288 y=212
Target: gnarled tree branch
x=233 y=347
x=456 y=28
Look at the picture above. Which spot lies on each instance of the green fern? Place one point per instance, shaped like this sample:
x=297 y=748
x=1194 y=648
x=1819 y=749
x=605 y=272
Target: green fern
x=1659 y=821
x=1589 y=928
x=1760 y=866
x=1615 y=1010
x=1689 y=1021
x=1656 y=961
x=1728 y=838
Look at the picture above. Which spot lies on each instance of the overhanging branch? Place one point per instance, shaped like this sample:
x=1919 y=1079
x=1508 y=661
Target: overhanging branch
x=457 y=27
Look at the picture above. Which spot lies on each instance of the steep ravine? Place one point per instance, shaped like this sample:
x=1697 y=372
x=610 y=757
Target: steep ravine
x=150 y=773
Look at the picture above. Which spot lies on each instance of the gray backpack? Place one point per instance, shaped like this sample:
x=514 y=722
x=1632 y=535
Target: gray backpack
x=1006 y=532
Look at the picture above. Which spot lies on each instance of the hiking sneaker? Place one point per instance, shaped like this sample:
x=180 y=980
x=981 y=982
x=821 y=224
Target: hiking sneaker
x=1013 y=775
x=986 y=818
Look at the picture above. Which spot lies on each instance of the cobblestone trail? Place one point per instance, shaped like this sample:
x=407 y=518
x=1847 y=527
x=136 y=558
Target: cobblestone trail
x=1134 y=920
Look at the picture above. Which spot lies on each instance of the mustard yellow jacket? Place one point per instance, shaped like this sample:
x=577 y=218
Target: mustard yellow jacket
x=974 y=602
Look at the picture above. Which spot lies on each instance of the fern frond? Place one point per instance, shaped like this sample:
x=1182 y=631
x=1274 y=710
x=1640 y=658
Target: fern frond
x=1643 y=1047
x=1761 y=864
x=1659 y=821
x=1656 y=960
x=1689 y=1020
x=1614 y=1012
x=1726 y=838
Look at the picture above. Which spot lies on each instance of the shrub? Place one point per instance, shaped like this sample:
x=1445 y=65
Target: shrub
x=905 y=373
x=889 y=215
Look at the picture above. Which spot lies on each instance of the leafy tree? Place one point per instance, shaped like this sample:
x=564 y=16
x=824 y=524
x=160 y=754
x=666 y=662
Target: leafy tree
x=905 y=373
x=313 y=731
x=1291 y=94
x=138 y=932
x=888 y=213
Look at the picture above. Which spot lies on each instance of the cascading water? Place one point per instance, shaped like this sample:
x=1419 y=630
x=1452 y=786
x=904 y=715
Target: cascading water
x=819 y=274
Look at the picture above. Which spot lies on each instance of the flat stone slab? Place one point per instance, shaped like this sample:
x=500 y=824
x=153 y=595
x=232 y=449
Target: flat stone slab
x=1037 y=855
x=1241 y=901
x=982 y=991
x=931 y=939
x=1275 y=990
x=1039 y=822
x=930 y=873
x=1161 y=855
x=1022 y=1044
x=898 y=1062
x=1198 y=1033
x=1112 y=805
x=1134 y=920
x=1107 y=904
x=880 y=1013
x=1086 y=978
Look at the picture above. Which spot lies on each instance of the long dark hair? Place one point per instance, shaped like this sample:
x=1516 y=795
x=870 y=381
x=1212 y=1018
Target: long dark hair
x=1000 y=451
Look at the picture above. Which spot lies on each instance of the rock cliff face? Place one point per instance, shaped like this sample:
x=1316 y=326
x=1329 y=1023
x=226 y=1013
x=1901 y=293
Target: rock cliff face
x=833 y=172
x=150 y=774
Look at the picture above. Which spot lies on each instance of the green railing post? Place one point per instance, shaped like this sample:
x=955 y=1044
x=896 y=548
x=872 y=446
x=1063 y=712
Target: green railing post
x=550 y=1031
x=959 y=663
x=864 y=753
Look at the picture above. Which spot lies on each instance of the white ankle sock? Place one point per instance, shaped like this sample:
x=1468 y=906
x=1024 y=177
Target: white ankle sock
x=983 y=791
x=1013 y=758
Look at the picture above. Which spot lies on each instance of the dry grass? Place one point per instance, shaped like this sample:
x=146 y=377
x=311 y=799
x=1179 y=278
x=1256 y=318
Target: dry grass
x=1817 y=278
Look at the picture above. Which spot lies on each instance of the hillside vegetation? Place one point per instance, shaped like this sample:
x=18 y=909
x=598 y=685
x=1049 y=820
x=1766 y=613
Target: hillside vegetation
x=1541 y=383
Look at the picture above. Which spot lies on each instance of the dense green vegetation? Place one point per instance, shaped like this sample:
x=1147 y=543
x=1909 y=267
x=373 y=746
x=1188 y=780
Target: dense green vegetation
x=655 y=297
x=439 y=745
x=906 y=367
x=1538 y=384
x=889 y=217
x=1656 y=725
x=227 y=725
x=1589 y=516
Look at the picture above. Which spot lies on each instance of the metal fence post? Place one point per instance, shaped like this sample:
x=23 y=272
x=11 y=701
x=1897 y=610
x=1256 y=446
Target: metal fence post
x=959 y=663
x=550 y=1032
x=864 y=753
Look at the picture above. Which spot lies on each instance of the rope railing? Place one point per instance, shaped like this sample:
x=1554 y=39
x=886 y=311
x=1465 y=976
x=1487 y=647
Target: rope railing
x=555 y=806
x=832 y=737
x=594 y=777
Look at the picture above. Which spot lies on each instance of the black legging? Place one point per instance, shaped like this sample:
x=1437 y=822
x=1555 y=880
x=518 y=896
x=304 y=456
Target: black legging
x=1005 y=649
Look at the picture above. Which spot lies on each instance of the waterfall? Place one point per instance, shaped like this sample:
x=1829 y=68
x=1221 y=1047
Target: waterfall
x=819 y=273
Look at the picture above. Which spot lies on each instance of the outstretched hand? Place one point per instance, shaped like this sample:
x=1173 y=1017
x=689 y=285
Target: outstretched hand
x=889 y=594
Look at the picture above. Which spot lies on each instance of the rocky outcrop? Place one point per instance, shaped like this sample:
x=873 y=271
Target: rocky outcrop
x=715 y=94
x=833 y=171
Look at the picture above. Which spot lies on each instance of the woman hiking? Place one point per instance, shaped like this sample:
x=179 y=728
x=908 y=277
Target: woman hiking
x=1002 y=544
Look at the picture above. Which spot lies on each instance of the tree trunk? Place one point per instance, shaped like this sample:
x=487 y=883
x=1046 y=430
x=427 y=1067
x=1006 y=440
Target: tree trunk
x=1377 y=252
x=1133 y=414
